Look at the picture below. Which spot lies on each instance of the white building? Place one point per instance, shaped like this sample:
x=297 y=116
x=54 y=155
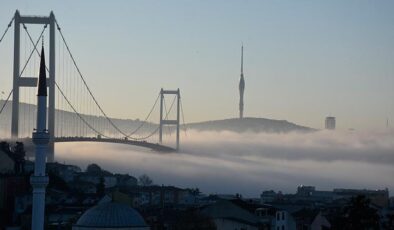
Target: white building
x=283 y=221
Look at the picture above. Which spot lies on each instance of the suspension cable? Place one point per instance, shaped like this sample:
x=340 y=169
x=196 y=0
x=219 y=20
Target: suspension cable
x=87 y=87
x=64 y=96
x=146 y=118
x=165 y=109
x=34 y=48
x=93 y=97
x=157 y=129
x=24 y=67
x=6 y=101
x=79 y=115
x=6 y=30
x=183 y=117
x=61 y=91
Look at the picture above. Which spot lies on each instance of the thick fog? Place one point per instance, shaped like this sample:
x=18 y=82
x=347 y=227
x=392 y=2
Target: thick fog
x=248 y=163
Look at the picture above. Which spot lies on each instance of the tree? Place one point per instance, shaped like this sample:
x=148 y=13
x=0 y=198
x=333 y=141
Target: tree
x=195 y=191
x=56 y=182
x=93 y=168
x=357 y=215
x=100 y=187
x=145 y=180
x=19 y=157
x=193 y=220
x=5 y=147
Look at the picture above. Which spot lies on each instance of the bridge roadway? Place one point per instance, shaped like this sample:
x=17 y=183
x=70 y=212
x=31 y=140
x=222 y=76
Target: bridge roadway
x=153 y=146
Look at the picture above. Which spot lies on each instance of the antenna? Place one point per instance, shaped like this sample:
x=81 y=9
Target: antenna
x=242 y=58
x=241 y=85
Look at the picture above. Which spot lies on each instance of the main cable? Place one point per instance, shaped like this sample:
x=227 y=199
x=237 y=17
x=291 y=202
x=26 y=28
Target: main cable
x=6 y=30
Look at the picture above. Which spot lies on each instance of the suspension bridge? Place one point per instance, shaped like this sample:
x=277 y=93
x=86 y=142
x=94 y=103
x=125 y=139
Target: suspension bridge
x=74 y=112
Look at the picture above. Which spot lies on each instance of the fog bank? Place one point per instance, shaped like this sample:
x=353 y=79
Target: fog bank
x=227 y=162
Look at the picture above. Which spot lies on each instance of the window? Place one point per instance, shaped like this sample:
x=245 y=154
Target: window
x=278 y=228
x=283 y=227
x=278 y=216
x=283 y=215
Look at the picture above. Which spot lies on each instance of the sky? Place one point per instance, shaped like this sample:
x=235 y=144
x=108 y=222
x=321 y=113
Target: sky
x=304 y=60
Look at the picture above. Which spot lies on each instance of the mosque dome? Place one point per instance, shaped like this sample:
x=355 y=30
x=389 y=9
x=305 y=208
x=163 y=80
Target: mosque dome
x=111 y=215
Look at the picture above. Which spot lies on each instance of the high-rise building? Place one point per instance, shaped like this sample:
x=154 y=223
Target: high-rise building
x=330 y=123
x=241 y=86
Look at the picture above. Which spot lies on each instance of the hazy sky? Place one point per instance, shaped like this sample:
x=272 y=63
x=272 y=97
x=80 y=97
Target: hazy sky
x=303 y=59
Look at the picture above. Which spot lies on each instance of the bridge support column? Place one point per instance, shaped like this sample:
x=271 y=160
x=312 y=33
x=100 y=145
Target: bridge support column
x=165 y=120
x=51 y=104
x=161 y=116
x=15 y=87
x=177 y=118
x=19 y=81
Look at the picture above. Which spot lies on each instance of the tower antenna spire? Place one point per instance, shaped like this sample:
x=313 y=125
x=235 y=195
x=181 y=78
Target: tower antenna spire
x=242 y=59
x=241 y=85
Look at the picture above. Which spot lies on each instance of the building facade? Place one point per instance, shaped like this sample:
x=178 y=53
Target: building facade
x=330 y=123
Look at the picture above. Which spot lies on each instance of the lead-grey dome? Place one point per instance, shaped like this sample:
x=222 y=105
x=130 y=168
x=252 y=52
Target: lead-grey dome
x=111 y=215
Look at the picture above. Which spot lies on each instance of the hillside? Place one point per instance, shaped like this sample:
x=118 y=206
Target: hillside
x=72 y=123
x=249 y=124
x=234 y=124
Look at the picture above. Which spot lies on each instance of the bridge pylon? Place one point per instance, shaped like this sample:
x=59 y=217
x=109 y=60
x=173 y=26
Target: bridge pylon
x=19 y=81
x=165 y=120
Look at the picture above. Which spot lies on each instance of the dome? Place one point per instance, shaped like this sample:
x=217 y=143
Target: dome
x=110 y=215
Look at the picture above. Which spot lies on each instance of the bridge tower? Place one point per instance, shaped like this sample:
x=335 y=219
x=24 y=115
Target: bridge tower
x=165 y=121
x=19 y=81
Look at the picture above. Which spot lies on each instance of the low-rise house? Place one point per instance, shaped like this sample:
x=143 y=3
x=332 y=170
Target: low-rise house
x=268 y=196
x=187 y=198
x=66 y=172
x=63 y=217
x=22 y=203
x=283 y=221
x=391 y=202
x=88 y=201
x=55 y=197
x=377 y=197
x=125 y=180
x=110 y=181
x=95 y=178
x=163 y=195
x=89 y=178
x=226 y=215
x=85 y=187
x=309 y=219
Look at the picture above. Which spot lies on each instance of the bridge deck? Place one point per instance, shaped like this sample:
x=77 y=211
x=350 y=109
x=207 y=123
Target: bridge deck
x=153 y=146
x=145 y=144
